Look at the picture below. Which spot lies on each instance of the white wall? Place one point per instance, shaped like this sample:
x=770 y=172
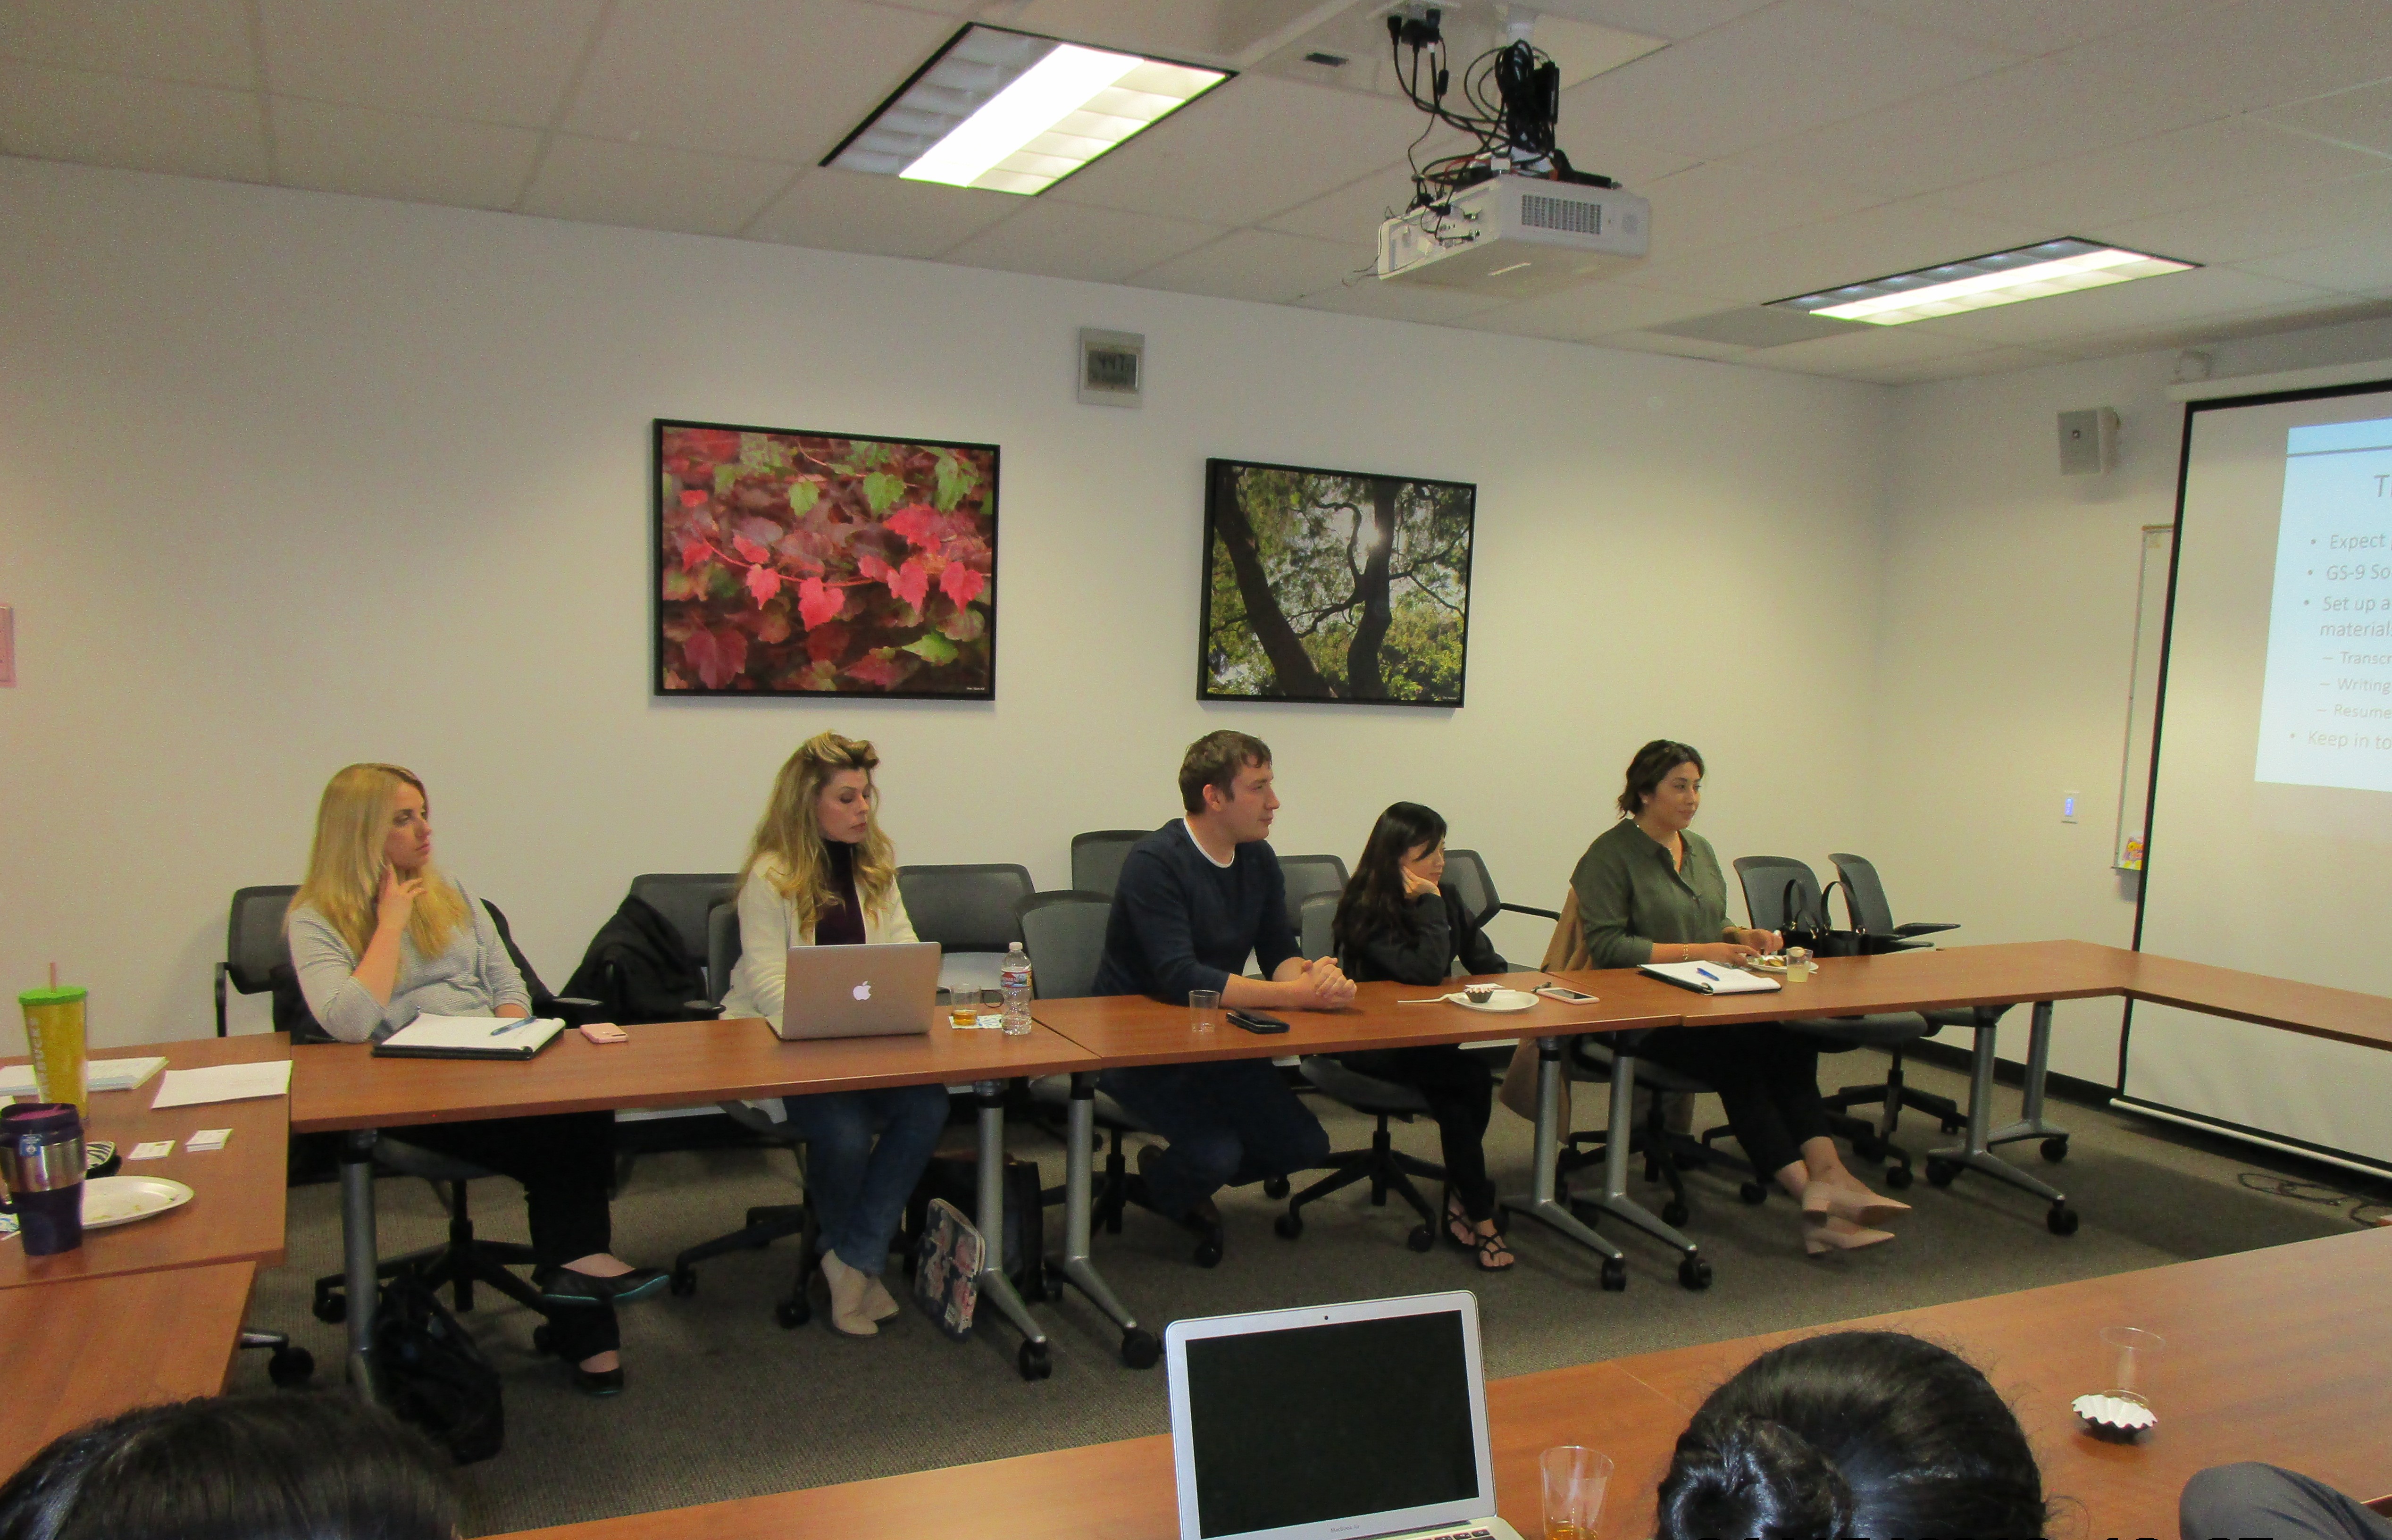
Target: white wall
x=2008 y=634
x=289 y=480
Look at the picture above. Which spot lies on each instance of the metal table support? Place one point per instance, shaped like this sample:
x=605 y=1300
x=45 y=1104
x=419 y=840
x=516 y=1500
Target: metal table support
x=995 y=1288
x=1976 y=1152
x=358 y=1254
x=1693 y=1271
x=1541 y=1202
x=1138 y=1347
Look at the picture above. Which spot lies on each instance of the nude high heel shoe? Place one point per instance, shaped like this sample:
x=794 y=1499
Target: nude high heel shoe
x=1862 y=1207
x=879 y=1304
x=849 y=1308
x=1829 y=1233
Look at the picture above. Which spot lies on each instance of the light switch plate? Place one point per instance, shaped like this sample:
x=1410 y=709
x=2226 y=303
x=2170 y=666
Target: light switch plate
x=2068 y=807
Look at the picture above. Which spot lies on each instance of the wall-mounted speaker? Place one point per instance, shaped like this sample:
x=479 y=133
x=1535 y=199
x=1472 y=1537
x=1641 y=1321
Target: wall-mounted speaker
x=1113 y=368
x=2088 y=441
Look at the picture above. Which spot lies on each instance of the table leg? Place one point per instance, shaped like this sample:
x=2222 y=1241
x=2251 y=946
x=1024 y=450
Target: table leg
x=1138 y=1347
x=2031 y=1123
x=995 y=1288
x=1975 y=1154
x=359 y=1288
x=1693 y=1271
x=1540 y=1202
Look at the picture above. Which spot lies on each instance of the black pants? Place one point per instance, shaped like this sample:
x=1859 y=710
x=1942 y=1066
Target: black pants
x=1230 y=1122
x=564 y=1162
x=2229 y=1500
x=1767 y=1078
x=1461 y=1095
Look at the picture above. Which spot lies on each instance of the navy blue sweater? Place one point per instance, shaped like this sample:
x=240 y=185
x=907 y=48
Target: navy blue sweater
x=1179 y=923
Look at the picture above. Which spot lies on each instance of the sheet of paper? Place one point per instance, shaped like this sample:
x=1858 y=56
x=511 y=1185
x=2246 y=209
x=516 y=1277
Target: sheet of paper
x=154 y=1149
x=190 y=1088
x=206 y=1139
x=103 y=1075
x=472 y=1032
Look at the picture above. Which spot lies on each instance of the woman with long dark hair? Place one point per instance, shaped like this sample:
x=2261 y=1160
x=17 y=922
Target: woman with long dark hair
x=1398 y=920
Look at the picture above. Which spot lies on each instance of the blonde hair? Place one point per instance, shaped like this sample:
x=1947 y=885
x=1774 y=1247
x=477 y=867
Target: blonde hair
x=791 y=835
x=345 y=866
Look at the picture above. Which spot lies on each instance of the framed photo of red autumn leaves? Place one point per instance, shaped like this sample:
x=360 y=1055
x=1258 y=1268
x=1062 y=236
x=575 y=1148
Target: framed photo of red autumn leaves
x=793 y=563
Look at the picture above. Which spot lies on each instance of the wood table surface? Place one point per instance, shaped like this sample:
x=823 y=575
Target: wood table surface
x=664 y=1065
x=236 y=1208
x=100 y=1345
x=2274 y=1355
x=2342 y=1014
x=1123 y=1030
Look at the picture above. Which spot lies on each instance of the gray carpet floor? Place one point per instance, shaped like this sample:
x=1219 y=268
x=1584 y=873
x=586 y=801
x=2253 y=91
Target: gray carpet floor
x=723 y=1403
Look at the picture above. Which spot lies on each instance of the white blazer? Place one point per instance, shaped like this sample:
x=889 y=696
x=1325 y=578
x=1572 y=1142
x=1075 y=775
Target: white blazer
x=768 y=928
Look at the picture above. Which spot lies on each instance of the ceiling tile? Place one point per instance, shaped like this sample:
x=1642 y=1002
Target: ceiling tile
x=1884 y=347
x=1076 y=240
x=493 y=61
x=1991 y=360
x=1590 y=311
x=1247 y=151
x=419 y=160
x=1718 y=202
x=203 y=42
x=2211 y=164
x=2250 y=54
x=852 y=210
x=1425 y=303
x=1673 y=19
x=2362 y=266
x=141 y=124
x=1794 y=66
x=2360 y=117
x=1682 y=347
x=2238 y=229
x=2018 y=117
x=2298 y=315
x=1891 y=238
x=1261 y=265
x=779 y=80
x=2030 y=27
x=2170 y=298
x=650 y=187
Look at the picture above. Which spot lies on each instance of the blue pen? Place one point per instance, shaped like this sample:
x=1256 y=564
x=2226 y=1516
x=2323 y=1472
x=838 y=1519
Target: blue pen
x=519 y=1021
x=1706 y=973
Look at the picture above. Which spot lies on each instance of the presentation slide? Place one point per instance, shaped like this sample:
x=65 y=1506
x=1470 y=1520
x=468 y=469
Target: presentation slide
x=2271 y=792
x=2325 y=716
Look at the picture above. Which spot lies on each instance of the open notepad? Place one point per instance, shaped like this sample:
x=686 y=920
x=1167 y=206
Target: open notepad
x=1710 y=978
x=104 y=1075
x=469 y=1038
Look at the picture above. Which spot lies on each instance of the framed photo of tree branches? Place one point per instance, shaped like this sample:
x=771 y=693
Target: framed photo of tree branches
x=1335 y=586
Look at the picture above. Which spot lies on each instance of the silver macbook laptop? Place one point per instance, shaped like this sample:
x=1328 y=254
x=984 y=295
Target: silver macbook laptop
x=859 y=991
x=1338 y=1422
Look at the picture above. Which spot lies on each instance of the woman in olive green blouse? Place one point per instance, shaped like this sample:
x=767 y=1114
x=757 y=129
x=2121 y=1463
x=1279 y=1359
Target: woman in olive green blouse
x=1650 y=890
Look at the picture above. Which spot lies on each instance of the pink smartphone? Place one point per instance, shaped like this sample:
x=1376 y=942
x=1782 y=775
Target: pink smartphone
x=605 y=1032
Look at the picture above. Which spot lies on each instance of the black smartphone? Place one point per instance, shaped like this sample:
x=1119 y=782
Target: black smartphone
x=1564 y=993
x=1254 y=1021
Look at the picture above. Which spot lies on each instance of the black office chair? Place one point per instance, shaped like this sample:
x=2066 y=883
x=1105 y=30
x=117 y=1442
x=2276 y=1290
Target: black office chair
x=1096 y=858
x=254 y=950
x=1064 y=932
x=1385 y=1167
x=685 y=900
x=1307 y=875
x=1466 y=873
x=766 y=1222
x=1865 y=904
x=969 y=911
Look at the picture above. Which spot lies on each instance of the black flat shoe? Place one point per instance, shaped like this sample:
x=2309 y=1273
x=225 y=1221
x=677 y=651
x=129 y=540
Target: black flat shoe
x=598 y=1382
x=560 y=1285
x=641 y=1283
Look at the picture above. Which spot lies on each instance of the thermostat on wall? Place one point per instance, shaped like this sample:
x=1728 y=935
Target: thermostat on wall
x=1112 y=366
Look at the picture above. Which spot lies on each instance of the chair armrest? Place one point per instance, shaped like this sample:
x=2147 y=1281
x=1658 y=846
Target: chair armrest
x=221 y=969
x=701 y=1011
x=1523 y=909
x=1922 y=927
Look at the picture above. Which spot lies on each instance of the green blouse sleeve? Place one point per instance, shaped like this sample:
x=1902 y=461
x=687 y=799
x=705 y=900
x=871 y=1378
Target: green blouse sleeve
x=1605 y=886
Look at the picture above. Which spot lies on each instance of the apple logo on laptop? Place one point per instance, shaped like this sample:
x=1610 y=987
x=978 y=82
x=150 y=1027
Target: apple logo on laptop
x=864 y=990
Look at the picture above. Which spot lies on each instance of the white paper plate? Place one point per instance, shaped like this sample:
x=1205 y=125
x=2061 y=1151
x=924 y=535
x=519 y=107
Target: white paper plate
x=1754 y=965
x=122 y=1200
x=1501 y=1002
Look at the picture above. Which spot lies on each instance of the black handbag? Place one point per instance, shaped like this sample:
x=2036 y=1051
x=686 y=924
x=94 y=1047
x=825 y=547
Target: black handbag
x=1812 y=929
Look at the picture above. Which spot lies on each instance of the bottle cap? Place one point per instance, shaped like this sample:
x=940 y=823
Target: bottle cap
x=68 y=994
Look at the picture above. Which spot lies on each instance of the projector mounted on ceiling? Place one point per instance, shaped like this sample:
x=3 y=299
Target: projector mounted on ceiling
x=1517 y=236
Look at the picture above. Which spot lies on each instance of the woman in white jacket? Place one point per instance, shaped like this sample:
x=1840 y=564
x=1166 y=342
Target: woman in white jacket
x=820 y=872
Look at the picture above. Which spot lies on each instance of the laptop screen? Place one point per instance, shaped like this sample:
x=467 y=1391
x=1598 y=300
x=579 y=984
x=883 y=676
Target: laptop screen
x=1316 y=1423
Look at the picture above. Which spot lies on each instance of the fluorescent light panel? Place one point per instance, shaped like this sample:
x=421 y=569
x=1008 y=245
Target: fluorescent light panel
x=1981 y=282
x=1009 y=111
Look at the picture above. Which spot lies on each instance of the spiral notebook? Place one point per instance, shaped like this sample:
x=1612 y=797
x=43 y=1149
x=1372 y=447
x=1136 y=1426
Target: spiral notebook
x=469 y=1038
x=1710 y=978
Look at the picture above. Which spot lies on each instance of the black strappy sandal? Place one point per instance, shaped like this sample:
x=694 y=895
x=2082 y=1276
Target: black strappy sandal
x=1461 y=1231
x=1488 y=1246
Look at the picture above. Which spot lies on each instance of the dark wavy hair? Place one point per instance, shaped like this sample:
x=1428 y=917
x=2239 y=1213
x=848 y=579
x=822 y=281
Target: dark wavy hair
x=286 y=1466
x=1374 y=897
x=1862 y=1432
x=1651 y=767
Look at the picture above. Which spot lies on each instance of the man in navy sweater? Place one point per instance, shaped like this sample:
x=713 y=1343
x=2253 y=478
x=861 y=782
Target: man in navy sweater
x=1193 y=898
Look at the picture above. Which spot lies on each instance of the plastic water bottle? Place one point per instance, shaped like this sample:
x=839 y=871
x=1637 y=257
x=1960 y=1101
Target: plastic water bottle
x=1015 y=978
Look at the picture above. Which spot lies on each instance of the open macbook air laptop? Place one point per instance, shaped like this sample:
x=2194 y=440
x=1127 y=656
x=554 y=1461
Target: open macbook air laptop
x=859 y=991
x=1337 y=1422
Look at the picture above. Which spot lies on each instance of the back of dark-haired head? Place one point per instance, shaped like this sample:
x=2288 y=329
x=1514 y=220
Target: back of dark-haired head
x=1651 y=767
x=1374 y=899
x=1852 y=1433
x=1215 y=760
x=323 y=1466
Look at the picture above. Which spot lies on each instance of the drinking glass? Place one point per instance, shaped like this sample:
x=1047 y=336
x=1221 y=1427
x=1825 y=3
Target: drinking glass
x=2131 y=1353
x=1575 y=1478
x=1204 y=1009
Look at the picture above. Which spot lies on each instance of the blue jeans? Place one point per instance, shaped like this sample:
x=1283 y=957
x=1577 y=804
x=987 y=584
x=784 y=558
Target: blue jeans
x=858 y=1187
x=1230 y=1122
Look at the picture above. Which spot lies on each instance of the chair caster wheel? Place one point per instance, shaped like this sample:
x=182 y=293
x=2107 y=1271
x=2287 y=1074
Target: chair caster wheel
x=1674 y=1213
x=543 y=1341
x=2056 y=1149
x=1032 y=1360
x=683 y=1281
x=330 y=1308
x=1695 y=1273
x=1941 y=1172
x=1753 y=1192
x=1897 y=1177
x=2061 y=1220
x=1419 y=1239
x=1615 y=1274
x=792 y=1313
x=290 y=1368
x=1287 y=1227
x=1208 y=1254
x=1275 y=1188
x=1952 y=1125
x=1140 y=1349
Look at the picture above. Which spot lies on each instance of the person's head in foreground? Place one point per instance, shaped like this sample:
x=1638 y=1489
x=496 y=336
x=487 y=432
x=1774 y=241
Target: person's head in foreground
x=280 y=1466
x=1854 y=1433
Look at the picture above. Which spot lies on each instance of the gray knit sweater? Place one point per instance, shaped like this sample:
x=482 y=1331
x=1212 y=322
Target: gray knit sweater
x=472 y=977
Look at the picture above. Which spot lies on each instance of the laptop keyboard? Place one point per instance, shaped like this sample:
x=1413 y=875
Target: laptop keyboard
x=1458 y=1535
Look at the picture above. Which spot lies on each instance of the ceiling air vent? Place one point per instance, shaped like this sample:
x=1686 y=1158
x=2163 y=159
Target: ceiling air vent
x=1113 y=368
